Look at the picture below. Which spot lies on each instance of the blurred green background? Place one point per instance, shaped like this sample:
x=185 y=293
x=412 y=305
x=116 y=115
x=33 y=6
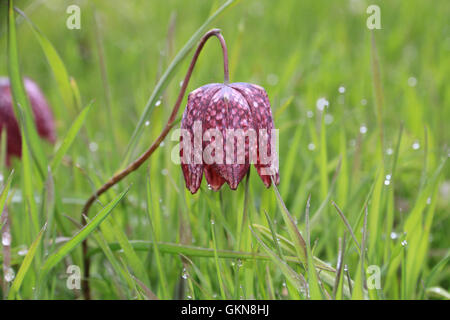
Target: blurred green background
x=299 y=51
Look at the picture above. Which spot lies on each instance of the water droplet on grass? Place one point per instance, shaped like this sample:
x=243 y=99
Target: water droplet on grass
x=9 y=275
x=416 y=145
x=363 y=129
x=147 y=123
x=341 y=89
x=311 y=146
x=309 y=114
x=22 y=252
x=322 y=103
x=6 y=239
x=93 y=146
x=412 y=81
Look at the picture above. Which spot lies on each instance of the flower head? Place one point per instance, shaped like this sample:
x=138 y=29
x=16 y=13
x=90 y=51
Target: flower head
x=226 y=128
x=41 y=111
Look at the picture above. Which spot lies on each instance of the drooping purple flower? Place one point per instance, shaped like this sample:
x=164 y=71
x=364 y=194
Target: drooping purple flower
x=232 y=123
x=42 y=115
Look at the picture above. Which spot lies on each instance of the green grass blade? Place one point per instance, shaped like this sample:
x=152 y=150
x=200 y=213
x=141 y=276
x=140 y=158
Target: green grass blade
x=162 y=275
x=5 y=191
x=358 y=287
x=69 y=138
x=56 y=64
x=293 y=277
x=315 y=292
x=54 y=258
x=26 y=263
x=294 y=233
x=21 y=104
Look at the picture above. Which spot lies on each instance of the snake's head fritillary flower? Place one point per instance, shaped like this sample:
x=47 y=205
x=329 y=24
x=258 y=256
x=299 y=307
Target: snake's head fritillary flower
x=225 y=128
x=41 y=111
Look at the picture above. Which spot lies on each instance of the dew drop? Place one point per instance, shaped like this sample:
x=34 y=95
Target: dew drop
x=394 y=235
x=363 y=102
x=158 y=103
x=22 y=252
x=311 y=146
x=309 y=114
x=147 y=123
x=389 y=151
x=93 y=146
x=6 y=239
x=341 y=89
x=412 y=81
x=404 y=243
x=212 y=221
x=322 y=103
x=165 y=172
x=363 y=129
x=416 y=145
x=9 y=275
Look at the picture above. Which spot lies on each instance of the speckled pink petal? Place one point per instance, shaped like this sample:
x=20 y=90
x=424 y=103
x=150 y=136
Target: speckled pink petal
x=259 y=103
x=229 y=110
x=198 y=101
x=214 y=179
x=41 y=111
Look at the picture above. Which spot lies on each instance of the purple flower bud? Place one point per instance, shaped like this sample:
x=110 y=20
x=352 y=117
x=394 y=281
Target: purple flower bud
x=234 y=122
x=41 y=111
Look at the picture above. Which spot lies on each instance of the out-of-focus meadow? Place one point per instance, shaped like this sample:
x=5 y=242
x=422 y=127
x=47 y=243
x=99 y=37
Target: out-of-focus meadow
x=161 y=240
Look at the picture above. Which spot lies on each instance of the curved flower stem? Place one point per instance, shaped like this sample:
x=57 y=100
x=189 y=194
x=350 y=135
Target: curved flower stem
x=139 y=161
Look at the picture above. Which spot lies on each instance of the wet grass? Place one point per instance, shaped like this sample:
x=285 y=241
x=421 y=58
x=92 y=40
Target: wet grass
x=363 y=182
